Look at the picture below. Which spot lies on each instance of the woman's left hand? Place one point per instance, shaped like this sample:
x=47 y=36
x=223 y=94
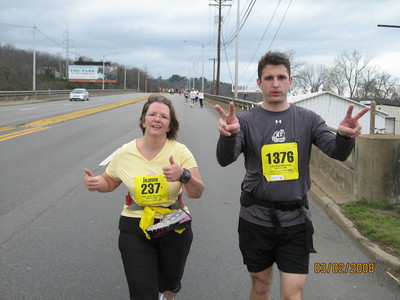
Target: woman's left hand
x=173 y=172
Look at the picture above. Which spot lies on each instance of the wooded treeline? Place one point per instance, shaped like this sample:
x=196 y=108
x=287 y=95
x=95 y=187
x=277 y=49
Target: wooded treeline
x=352 y=76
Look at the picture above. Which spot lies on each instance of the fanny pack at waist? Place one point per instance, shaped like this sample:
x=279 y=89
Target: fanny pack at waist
x=247 y=199
x=132 y=205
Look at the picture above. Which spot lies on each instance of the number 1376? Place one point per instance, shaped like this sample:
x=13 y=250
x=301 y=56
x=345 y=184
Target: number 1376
x=280 y=157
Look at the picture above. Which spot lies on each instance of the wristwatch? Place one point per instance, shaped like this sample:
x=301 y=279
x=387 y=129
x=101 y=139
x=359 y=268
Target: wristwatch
x=185 y=176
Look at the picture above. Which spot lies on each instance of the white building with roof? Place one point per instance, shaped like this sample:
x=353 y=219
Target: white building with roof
x=393 y=111
x=332 y=108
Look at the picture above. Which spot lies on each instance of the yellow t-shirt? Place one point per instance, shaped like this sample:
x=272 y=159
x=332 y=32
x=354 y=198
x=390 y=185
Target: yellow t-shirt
x=129 y=163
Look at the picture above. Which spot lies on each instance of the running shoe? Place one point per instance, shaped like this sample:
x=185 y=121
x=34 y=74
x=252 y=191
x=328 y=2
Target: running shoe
x=176 y=220
x=162 y=297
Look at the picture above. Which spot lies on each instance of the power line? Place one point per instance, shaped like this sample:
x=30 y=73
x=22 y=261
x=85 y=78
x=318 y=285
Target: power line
x=261 y=39
x=12 y=25
x=40 y=31
x=49 y=38
x=276 y=33
x=243 y=20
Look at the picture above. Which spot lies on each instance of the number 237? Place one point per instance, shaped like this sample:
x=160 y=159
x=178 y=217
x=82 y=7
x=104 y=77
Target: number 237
x=150 y=188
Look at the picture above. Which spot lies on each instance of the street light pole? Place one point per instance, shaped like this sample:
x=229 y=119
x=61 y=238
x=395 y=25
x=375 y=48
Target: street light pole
x=202 y=61
x=104 y=57
x=391 y=26
x=102 y=85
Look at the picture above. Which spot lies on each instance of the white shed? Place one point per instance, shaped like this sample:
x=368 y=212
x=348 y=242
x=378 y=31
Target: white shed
x=332 y=108
x=393 y=111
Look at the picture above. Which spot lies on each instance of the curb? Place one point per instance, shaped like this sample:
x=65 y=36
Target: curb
x=334 y=212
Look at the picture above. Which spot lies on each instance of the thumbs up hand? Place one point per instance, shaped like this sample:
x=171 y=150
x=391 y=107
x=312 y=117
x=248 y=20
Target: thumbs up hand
x=91 y=181
x=172 y=172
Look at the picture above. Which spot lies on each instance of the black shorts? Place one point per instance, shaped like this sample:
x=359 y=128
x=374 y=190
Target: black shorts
x=261 y=247
x=155 y=265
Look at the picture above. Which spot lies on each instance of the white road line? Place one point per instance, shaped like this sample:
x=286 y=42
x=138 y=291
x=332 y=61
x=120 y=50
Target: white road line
x=107 y=160
x=29 y=108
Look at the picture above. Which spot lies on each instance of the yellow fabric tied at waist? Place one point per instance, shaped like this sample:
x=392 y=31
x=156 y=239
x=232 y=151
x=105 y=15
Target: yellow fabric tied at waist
x=147 y=218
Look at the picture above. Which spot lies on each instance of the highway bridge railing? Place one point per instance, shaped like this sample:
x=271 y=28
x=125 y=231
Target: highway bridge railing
x=53 y=94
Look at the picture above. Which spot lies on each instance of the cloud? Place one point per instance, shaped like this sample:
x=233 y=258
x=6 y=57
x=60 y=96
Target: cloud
x=150 y=34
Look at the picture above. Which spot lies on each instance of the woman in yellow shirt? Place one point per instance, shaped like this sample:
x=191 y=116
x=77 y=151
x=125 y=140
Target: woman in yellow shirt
x=156 y=169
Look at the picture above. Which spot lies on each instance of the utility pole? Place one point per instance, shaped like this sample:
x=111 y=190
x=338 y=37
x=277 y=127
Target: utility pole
x=235 y=96
x=213 y=83
x=219 y=49
x=145 y=79
x=34 y=61
x=219 y=3
x=138 y=81
x=67 y=45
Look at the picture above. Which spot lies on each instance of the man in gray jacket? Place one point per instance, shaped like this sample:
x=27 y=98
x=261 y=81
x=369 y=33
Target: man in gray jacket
x=276 y=138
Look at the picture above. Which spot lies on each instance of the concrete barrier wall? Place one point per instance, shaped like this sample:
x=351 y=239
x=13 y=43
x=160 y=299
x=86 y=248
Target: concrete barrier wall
x=374 y=174
x=341 y=174
x=377 y=168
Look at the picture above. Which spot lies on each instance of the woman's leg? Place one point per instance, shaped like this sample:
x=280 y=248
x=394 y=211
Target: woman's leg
x=139 y=257
x=173 y=251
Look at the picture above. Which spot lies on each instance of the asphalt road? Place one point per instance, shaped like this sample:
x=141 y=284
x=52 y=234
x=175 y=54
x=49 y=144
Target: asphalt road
x=59 y=241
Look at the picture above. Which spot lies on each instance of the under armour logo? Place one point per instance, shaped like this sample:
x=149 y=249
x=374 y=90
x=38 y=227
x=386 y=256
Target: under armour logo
x=278 y=121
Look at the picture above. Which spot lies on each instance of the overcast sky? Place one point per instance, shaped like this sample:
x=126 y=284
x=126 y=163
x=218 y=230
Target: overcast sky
x=149 y=34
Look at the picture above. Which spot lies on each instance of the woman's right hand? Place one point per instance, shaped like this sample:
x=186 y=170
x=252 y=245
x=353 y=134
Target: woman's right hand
x=101 y=183
x=91 y=181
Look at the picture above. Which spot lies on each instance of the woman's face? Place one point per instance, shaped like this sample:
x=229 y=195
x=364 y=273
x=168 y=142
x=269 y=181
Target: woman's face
x=157 y=120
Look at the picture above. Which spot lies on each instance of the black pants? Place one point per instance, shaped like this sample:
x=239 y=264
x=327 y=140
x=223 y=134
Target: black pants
x=152 y=266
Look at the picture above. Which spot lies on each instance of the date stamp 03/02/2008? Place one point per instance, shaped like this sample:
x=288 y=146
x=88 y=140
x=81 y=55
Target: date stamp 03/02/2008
x=344 y=268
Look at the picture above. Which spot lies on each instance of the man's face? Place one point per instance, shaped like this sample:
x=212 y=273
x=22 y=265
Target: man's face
x=274 y=84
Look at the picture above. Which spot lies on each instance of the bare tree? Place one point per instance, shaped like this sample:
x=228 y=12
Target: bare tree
x=386 y=87
x=335 y=81
x=352 y=66
x=312 y=79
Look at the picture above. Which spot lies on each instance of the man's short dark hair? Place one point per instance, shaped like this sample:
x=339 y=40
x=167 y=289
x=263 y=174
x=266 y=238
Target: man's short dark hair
x=275 y=59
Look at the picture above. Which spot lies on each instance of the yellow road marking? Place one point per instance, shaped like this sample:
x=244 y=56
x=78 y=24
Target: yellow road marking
x=81 y=113
x=19 y=133
x=41 y=124
x=5 y=128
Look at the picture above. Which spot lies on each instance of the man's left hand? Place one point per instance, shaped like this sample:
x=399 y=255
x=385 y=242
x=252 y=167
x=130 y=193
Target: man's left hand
x=350 y=126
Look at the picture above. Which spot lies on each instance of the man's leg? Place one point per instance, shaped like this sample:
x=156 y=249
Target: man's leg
x=261 y=285
x=292 y=286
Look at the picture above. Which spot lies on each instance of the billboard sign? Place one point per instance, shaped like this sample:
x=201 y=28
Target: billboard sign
x=247 y=89
x=87 y=73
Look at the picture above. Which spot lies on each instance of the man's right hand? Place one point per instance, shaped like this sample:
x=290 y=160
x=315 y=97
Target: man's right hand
x=228 y=123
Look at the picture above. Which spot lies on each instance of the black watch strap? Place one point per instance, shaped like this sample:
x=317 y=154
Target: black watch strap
x=185 y=176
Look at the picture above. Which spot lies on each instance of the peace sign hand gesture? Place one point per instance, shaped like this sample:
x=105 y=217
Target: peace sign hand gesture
x=350 y=126
x=228 y=123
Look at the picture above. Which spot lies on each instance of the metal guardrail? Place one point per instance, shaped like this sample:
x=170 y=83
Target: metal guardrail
x=242 y=104
x=23 y=95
